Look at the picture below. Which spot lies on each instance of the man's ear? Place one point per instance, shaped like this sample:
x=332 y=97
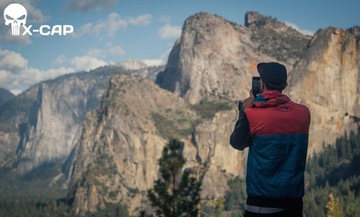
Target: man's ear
x=262 y=86
x=285 y=85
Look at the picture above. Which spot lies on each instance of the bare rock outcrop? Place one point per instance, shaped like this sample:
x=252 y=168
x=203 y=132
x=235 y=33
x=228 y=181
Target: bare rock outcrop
x=327 y=79
x=117 y=155
x=212 y=57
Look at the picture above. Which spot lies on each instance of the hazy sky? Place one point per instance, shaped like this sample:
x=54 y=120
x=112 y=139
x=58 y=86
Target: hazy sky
x=112 y=31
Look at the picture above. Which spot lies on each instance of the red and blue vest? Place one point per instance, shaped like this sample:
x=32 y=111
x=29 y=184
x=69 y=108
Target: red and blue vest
x=279 y=130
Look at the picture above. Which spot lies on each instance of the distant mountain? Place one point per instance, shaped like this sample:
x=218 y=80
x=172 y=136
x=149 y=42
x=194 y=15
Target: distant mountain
x=5 y=95
x=43 y=123
x=133 y=65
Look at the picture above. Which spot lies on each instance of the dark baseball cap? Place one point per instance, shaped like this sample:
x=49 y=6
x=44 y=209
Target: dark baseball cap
x=273 y=74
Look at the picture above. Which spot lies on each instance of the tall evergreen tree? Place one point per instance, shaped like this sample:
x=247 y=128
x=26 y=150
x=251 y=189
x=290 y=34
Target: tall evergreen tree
x=175 y=193
x=333 y=207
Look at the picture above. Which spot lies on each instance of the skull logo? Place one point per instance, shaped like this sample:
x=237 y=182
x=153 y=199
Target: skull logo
x=15 y=14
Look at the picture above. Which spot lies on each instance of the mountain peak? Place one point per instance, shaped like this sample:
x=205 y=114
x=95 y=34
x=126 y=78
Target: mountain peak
x=132 y=64
x=5 y=95
x=256 y=20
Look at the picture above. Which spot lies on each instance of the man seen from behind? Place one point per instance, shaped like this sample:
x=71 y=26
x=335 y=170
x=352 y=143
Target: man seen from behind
x=276 y=131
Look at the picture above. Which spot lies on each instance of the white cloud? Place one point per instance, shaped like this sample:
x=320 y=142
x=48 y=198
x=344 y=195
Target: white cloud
x=87 y=63
x=112 y=25
x=95 y=52
x=11 y=61
x=162 y=60
x=16 y=75
x=90 y=5
x=91 y=59
x=168 y=31
x=60 y=60
x=139 y=20
x=117 y=51
x=303 y=31
x=5 y=35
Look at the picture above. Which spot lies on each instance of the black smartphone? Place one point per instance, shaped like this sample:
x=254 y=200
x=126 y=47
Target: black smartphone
x=255 y=88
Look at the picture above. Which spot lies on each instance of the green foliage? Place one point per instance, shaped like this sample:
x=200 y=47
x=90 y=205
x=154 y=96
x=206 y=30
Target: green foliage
x=236 y=198
x=282 y=46
x=31 y=207
x=207 y=108
x=172 y=125
x=334 y=171
x=213 y=206
x=111 y=210
x=333 y=207
x=175 y=193
x=178 y=124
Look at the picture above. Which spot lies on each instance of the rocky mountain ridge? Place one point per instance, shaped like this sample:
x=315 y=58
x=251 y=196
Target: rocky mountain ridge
x=49 y=116
x=5 y=95
x=328 y=81
x=276 y=39
x=215 y=59
x=203 y=59
x=114 y=149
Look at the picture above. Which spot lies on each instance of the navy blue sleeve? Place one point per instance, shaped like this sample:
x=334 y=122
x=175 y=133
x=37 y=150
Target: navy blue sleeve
x=241 y=137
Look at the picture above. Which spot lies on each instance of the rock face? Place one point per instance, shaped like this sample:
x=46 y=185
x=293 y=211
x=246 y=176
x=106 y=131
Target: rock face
x=54 y=122
x=12 y=115
x=327 y=79
x=42 y=124
x=117 y=155
x=5 y=95
x=326 y=67
x=212 y=57
x=216 y=57
x=276 y=39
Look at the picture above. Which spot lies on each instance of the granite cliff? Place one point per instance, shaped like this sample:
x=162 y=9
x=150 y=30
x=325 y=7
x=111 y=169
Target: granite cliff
x=216 y=57
x=42 y=124
x=327 y=79
x=212 y=62
x=121 y=142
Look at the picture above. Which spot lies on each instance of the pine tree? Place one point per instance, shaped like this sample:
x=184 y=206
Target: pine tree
x=333 y=207
x=175 y=193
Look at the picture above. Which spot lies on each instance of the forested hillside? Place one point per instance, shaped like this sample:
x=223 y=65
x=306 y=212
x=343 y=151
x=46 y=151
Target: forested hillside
x=334 y=171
